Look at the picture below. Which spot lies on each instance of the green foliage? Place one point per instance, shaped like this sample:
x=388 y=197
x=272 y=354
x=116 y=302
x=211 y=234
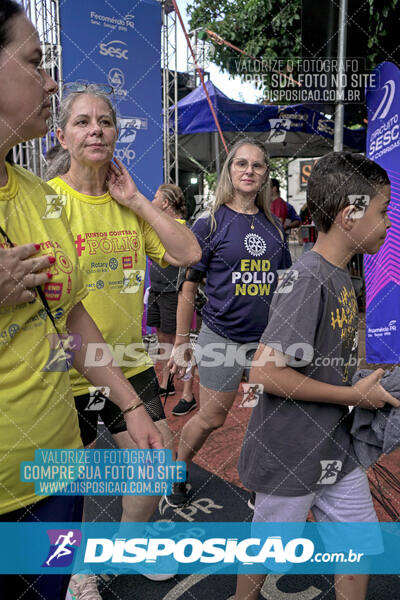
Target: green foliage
x=272 y=28
x=383 y=26
x=279 y=169
x=211 y=179
x=249 y=24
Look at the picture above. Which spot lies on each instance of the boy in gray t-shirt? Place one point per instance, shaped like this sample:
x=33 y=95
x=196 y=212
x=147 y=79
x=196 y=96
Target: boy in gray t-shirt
x=297 y=453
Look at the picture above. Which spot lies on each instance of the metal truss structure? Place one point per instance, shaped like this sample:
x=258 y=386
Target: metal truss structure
x=45 y=16
x=203 y=52
x=169 y=65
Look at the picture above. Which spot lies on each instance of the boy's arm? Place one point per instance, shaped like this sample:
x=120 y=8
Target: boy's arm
x=289 y=383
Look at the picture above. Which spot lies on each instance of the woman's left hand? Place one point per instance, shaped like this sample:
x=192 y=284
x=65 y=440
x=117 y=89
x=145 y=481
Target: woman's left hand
x=121 y=185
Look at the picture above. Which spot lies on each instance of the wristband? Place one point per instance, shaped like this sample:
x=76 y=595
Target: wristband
x=132 y=407
x=183 y=334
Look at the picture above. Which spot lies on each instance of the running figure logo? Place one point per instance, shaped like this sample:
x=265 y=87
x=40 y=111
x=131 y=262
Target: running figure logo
x=54 y=206
x=63 y=543
x=132 y=280
x=97 y=397
x=251 y=394
x=286 y=280
x=62 y=349
x=330 y=470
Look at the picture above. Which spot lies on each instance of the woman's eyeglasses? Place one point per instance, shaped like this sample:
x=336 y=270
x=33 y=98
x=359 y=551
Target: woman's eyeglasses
x=78 y=87
x=241 y=165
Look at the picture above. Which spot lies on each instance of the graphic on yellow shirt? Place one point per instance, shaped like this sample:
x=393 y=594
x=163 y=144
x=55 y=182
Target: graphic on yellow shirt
x=36 y=406
x=112 y=243
x=54 y=206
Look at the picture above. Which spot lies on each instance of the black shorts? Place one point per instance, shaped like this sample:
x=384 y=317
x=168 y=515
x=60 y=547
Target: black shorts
x=161 y=311
x=145 y=385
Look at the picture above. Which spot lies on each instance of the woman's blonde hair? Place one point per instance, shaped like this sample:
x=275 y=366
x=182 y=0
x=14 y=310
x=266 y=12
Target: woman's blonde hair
x=225 y=190
x=175 y=198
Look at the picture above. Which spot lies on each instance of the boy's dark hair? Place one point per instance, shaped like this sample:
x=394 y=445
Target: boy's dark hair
x=334 y=178
x=275 y=183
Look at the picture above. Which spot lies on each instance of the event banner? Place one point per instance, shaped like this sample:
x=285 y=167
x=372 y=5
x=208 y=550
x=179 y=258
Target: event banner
x=213 y=548
x=382 y=271
x=120 y=44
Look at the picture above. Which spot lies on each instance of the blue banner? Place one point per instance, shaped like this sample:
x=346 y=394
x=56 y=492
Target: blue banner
x=382 y=271
x=223 y=548
x=120 y=44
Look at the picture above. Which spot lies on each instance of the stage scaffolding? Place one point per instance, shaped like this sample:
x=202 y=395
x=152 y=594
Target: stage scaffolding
x=169 y=66
x=45 y=16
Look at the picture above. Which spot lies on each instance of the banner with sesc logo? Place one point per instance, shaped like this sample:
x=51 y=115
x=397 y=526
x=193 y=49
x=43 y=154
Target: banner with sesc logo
x=382 y=270
x=120 y=44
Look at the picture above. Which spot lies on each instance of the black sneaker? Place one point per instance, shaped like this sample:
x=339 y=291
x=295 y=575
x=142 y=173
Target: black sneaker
x=162 y=391
x=179 y=496
x=184 y=407
x=251 y=501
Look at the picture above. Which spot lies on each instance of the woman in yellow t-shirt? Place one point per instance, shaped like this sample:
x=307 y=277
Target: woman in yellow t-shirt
x=36 y=402
x=115 y=227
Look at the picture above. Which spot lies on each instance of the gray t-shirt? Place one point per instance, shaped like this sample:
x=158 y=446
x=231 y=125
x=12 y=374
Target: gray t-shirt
x=292 y=447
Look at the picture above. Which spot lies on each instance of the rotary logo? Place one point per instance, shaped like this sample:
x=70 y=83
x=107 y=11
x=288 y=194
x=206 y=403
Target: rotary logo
x=254 y=244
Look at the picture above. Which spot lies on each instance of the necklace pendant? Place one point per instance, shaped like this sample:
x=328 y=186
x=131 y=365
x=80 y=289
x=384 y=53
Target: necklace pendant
x=252 y=226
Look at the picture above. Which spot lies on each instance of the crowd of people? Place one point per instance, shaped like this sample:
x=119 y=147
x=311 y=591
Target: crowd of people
x=50 y=299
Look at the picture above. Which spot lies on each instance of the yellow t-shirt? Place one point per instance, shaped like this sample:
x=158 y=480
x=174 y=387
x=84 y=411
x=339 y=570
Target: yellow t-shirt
x=112 y=244
x=36 y=406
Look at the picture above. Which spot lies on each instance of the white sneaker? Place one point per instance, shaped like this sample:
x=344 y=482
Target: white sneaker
x=106 y=577
x=84 y=587
x=158 y=576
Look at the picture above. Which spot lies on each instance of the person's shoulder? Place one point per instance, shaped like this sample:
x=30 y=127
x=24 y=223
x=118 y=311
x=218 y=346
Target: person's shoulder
x=35 y=184
x=25 y=176
x=275 y=219
x=202 y=221
x=56 y=184
x=310 y=265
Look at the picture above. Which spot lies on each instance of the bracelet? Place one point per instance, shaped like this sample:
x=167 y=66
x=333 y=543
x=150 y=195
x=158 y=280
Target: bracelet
x=132 y=407
x=183 y=334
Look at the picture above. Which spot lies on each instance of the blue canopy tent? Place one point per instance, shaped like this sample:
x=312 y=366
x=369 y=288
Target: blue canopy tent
x=292 y=131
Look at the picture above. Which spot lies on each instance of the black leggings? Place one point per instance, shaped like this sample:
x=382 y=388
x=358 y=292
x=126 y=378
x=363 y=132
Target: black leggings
x=147 y=388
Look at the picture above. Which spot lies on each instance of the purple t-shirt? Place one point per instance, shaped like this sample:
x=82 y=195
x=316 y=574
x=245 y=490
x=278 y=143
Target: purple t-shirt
x=240 y=263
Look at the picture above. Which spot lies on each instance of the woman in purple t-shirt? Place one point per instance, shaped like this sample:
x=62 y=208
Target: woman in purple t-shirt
x=243 y=246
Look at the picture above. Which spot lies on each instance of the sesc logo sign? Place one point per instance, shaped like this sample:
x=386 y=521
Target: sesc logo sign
x=114 y=49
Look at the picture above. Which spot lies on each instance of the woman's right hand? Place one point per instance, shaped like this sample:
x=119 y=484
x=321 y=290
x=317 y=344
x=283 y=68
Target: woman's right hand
x=19 y=273
x=181 y=358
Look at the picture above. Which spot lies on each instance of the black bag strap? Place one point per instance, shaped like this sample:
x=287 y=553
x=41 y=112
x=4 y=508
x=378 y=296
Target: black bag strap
x=169 y=387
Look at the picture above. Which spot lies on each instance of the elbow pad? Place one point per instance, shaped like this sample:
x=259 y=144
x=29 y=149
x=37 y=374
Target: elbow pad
x=188 y=274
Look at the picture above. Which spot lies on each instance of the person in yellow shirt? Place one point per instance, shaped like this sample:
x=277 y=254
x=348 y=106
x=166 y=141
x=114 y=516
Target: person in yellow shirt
x=115 y=228
x=40 y=301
